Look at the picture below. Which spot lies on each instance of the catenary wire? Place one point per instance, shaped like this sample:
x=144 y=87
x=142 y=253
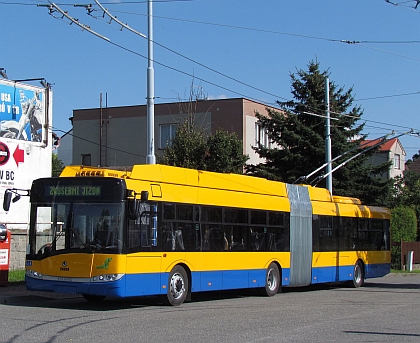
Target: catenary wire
x=211 y=83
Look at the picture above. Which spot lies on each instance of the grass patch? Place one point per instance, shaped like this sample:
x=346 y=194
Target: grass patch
x=16 y=275
x=397 y=271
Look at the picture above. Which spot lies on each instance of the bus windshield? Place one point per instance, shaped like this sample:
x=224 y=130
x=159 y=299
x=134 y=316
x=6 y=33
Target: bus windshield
x=76 y=227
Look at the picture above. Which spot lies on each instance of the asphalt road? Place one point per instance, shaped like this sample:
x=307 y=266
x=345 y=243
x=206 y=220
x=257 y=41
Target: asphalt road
x=384 y=310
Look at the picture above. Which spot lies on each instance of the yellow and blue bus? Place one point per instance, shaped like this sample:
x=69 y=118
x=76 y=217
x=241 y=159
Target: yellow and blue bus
x=169 y=231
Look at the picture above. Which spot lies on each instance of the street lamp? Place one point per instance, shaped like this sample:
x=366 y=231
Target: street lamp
x=150 y=158
x=41 y=80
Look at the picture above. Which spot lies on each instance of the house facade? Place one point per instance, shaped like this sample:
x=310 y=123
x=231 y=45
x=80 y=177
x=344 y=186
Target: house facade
x=117 y=136
x=391 y=150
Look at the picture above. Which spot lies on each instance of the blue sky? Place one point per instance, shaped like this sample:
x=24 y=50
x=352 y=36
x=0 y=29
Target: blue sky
x=258 y=43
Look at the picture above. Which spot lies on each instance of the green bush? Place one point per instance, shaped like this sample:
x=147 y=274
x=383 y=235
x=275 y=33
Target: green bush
x=403 y=224
x=403 y=228
x=396 y=257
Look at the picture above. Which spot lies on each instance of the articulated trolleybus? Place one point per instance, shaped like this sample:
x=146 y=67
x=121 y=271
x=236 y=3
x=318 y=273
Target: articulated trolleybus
x=161 y=230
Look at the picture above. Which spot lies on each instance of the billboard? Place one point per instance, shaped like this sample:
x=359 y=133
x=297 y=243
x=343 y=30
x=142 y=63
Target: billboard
x=23 y=111
x=25 y=144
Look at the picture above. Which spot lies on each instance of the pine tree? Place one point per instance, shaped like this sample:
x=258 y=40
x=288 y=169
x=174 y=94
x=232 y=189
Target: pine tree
x=297 y=133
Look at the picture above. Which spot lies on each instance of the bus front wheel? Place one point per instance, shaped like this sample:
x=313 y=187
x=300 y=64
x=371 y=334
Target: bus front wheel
x=272 y=281
x=358 y=275
x=177 y=286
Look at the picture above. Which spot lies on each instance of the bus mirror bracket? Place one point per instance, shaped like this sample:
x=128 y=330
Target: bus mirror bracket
x=134 y=204
x=8 y=194
x=144 y=196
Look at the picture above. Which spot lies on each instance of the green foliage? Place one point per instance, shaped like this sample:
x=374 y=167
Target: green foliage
x=57 y=165
x=298 y=139
x=403 y=228
x=396 y=257
x=224 y=153
x=403 y=224
x=407 y=193
x=192 y=148
x=188 y=147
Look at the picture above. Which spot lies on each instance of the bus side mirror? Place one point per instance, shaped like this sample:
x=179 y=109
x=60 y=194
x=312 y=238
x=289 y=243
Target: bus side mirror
x=133 y=208
x=7 y=199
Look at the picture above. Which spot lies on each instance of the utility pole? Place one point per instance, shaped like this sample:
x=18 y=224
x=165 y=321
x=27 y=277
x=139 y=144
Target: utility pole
x=151 y=158
x=328 y=136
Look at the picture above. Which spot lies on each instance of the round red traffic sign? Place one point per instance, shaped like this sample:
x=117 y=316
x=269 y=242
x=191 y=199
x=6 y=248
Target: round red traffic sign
x=4 y=153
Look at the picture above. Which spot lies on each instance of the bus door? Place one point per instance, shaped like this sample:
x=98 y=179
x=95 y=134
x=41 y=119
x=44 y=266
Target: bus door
x=300 y=235
x=144 y=263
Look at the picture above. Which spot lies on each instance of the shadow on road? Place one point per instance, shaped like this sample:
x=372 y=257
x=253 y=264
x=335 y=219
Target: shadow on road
x=77 y=302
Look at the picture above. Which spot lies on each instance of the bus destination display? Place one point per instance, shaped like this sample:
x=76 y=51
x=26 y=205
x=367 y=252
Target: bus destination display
x=73 y=190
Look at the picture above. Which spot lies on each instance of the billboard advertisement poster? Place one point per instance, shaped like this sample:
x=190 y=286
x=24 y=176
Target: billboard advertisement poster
x=25 y=144
x=22 y=111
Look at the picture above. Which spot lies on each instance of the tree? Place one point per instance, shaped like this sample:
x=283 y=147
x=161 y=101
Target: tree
x=57 y=165
x=193 y=148
x=407 y=193
x=224 y=153
x=297 y=133
x=404 y=224
x=403 y=228
x=188 y=147
x=415 y=157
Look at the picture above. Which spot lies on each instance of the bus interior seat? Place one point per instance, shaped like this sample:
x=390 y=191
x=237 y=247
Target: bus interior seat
x=257 y=241
x=177 y=240
x=217 y=239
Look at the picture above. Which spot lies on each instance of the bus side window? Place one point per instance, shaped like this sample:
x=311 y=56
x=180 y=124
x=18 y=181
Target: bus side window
x=257 y=240
x=215 y=240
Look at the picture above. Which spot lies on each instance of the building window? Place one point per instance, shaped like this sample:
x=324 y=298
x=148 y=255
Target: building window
x=261 y=136
x=167 y=133
x=397 y=161
x=86 y=160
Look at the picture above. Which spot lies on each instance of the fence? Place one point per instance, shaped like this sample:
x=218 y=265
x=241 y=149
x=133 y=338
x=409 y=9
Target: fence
x=399 y=261
x=410 y=246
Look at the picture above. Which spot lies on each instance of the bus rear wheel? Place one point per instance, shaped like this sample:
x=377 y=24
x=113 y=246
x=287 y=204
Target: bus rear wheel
x=177 y=286
x=358 y=275
x=272 y=281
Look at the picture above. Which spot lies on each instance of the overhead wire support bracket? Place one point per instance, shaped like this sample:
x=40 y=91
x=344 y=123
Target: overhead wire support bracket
x=88 y=7
x=350 y=41
x=118 y=21
x=76 y=21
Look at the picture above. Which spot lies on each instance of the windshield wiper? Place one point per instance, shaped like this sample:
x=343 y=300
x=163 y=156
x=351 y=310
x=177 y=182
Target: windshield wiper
x=87 y=246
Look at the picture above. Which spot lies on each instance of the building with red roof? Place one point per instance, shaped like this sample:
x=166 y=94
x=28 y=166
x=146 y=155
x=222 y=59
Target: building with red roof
x=391 y=150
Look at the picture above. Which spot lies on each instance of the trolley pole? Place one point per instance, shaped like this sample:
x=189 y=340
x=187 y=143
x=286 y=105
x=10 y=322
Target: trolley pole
x=151 y=158
x=328 y=136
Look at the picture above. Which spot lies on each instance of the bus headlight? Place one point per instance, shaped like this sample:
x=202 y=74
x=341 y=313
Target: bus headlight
x=34 y=274
x=107 y=277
